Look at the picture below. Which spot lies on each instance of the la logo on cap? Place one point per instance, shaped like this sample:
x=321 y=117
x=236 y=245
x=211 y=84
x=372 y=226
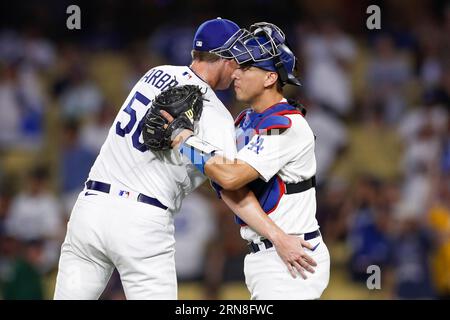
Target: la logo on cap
x=199 y=43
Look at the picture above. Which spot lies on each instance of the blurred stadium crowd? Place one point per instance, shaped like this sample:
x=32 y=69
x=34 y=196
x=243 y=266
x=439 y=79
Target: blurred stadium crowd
x=378 y=103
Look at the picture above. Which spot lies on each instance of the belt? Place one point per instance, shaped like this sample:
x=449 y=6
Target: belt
x=253 y=247
x=106 y=188
x=300 y=186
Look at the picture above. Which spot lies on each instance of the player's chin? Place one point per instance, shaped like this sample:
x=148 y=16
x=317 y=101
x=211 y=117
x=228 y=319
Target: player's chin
x=223 y=86
x=239 y=94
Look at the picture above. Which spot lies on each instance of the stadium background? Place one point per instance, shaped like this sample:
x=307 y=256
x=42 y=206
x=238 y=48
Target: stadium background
x=378 y=103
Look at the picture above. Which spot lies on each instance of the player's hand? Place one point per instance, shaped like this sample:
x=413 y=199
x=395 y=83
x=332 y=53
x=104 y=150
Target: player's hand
x=290 y=249
x=180 y=137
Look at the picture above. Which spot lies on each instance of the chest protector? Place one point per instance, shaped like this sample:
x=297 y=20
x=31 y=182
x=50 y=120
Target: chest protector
x=272 y=121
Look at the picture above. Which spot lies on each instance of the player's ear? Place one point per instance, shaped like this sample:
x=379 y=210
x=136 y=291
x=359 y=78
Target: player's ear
x=271 y=78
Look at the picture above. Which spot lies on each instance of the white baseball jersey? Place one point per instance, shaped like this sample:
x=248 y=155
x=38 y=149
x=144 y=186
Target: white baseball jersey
x=125 y=162
x=289 y=154
x=108 y=231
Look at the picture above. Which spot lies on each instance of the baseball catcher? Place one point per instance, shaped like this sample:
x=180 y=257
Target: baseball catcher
x=184 y=103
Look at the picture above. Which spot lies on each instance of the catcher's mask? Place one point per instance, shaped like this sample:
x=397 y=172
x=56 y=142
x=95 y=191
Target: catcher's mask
x=265 y=47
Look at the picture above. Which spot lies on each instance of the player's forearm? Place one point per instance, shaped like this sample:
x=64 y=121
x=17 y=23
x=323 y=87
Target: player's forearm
x=231 y=175
x=245 y=205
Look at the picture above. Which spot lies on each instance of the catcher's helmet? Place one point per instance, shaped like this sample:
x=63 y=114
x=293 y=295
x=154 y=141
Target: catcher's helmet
x=265 y=47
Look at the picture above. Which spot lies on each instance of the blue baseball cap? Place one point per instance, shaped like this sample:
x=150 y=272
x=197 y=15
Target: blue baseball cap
x=212 y=34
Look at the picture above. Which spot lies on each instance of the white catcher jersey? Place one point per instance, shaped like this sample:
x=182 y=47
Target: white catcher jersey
x=124 y=160
x=289 y=154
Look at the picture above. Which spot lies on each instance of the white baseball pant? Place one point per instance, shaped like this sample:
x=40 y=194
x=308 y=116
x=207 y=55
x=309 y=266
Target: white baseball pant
x=107 y=231
x=268 y=278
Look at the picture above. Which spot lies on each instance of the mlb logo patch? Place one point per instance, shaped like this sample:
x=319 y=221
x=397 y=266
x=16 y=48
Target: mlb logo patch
x=198 y=43
x=124 y=193
x=187 y=75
